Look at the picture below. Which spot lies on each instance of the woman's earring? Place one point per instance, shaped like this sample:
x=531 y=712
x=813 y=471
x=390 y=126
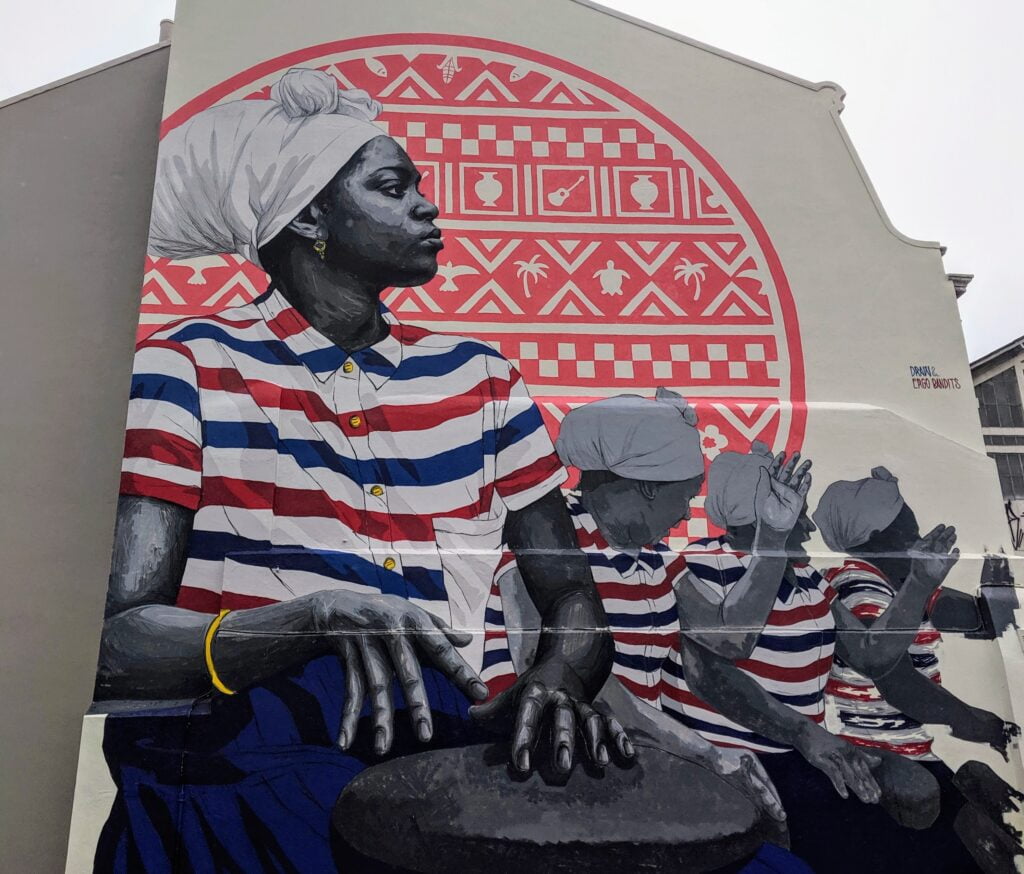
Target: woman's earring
x=320 y=247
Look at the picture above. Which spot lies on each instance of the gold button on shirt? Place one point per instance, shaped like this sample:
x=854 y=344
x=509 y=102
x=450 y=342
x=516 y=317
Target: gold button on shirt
x=390 y=564
x=377 y=491
x=355 y=421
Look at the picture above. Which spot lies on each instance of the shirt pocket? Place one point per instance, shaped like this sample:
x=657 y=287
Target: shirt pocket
x=469 y=550
x=249 y=581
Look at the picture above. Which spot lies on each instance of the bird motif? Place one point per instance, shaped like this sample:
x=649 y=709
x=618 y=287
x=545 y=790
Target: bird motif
x=450 y=272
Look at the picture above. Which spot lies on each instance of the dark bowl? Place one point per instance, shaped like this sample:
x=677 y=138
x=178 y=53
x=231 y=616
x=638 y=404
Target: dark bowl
x=460 y=810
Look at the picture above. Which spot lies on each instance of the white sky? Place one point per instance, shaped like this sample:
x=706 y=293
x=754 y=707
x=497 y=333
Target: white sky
x=933 y=91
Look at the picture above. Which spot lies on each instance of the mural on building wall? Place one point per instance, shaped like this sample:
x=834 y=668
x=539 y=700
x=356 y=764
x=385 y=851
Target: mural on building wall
x=463 y=515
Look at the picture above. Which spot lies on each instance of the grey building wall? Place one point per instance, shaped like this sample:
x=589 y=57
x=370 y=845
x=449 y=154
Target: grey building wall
x=76 y=170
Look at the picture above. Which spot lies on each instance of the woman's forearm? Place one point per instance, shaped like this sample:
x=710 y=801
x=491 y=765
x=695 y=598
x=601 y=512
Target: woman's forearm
x=157 y=652
x=558 y=580
x=915 y=695
x=749 y=602
x=574 y=627
x=873 y=649
x=740 y=698
x=575 y=632
x=730 y=627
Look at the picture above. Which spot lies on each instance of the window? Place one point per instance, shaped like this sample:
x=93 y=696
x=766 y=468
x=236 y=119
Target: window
x=999 y=401
x=1011 y=473
x=1004 y=439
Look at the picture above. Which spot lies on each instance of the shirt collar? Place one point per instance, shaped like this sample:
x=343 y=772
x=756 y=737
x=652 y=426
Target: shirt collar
x=802 y=573
x=859 y=564
x=626 y=564
x=321 y=356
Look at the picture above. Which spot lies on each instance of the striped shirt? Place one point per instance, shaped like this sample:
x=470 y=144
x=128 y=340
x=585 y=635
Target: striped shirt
x=857 y=711
x=791 y=659
x=638 y=598
x=309 y=468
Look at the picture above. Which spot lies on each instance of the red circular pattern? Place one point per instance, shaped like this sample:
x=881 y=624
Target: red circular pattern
x=588 y=237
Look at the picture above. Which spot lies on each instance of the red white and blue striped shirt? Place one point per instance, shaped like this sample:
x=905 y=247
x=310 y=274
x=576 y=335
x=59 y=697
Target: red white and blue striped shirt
x=792 y=657
x=637 y=595
x=309 y=468
x=857 y=711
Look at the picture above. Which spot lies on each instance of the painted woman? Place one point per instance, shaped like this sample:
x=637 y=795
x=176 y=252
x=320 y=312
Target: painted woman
x=292 y=470
x=870 y=521
x=641 y=466
x=760 y=631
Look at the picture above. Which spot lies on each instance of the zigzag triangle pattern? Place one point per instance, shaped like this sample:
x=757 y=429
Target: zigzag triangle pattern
x=646 y=272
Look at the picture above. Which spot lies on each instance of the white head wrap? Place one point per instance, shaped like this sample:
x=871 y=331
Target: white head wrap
x=232 y=177
x=634 y=437
x=850 y=512
x=732 y=485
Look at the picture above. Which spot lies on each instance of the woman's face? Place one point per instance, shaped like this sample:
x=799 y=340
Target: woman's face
x=378 y=225
x=896 y=538
x=669 y=505
x=905 y=528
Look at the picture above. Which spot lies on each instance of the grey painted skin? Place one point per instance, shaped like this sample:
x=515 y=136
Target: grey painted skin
x=916 y=566
x=630 y=515
x=151 y=649
x=379 y=232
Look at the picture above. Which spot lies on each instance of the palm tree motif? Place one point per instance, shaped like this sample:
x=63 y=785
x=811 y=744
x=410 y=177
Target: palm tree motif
x=532 y=269
x=687 y=271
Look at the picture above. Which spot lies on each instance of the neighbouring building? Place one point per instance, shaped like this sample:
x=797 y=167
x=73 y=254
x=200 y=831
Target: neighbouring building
x=999 y=384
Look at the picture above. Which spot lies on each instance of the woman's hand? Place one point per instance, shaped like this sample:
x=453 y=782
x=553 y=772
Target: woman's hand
x=654 y=728
x=847 y=766
x=744 y=770
x=782 y=492
x=932 y=557
x=379 y=637
x=987 y=728
x=551 y=690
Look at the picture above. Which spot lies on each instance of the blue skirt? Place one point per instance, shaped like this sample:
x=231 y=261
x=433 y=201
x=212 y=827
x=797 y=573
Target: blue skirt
x=248 y=783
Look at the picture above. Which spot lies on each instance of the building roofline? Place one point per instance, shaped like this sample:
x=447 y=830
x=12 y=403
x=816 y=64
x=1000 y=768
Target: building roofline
x=994 y=355
x=838 y=95
x=91 y=71
x=839 y=91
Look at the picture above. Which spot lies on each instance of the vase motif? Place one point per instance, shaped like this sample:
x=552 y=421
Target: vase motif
x=488 y=188
x=644 y=191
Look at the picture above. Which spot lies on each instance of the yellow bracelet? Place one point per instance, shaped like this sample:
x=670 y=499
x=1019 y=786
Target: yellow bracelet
x=208 y=650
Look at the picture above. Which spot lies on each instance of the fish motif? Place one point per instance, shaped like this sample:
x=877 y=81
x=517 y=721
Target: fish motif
x=376 y=66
